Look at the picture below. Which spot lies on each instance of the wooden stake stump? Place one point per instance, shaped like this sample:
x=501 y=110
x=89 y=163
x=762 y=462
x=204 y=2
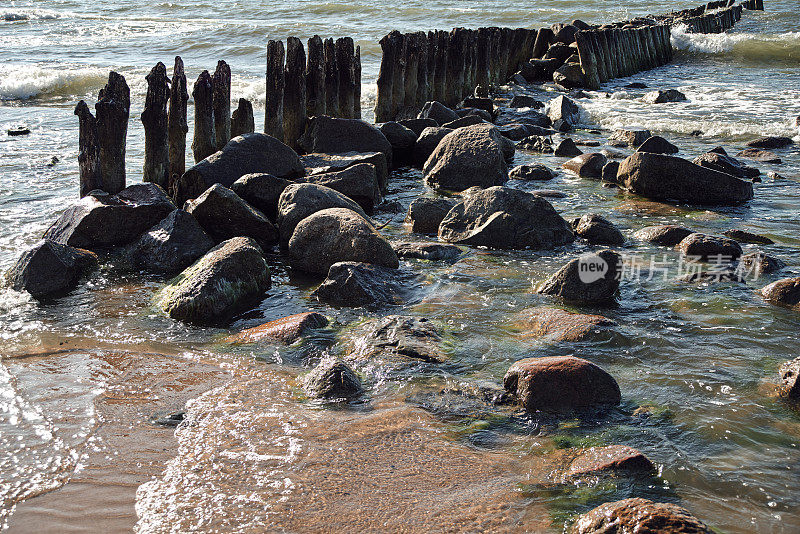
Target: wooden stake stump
x=331 y=79
x=112 y=112
x=242 y=120
x=222 y=104
x=154 y=119
x=315 y=78
x=294 y=93
x=205 y=140
x=88 y=150
x=273 y=113
x=177 y=124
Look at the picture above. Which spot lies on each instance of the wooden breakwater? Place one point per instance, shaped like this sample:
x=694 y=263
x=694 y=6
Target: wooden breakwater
x=450 y=66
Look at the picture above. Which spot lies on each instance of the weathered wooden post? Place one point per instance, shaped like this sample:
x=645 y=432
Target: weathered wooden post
x=440 y=78
x=408 y=107
x=222 y=103
x=470 y=64
x=602 y=36
x=205 y=140
x=655 y=45
x=294 y=93
x=242 y=120
x=433 y=50
x=154 y=120
x=399 y=86
x=613 y=53
x=666 y=32
x=315 y=78
x=177 y=124
x=273 y=112
x=455 y=67
x=88 y=150
x=422 y=71
x=482 y=59
x=383 y=101
x=357 y=80
x=331 y=79
x=112 y=112
x=588 y=60
x=544 y=37
x=345 y=54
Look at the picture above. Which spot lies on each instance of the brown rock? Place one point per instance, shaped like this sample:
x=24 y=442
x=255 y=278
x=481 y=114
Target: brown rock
x=639 y=516
x=561 y=325
x=790 y=385
x=667 y=235
x=612 y=458
x=763 y=156
x=587 y=165
x=286 y=330
x=784 y=293
x=743 y=236
x=758 y=263
x=709 y=248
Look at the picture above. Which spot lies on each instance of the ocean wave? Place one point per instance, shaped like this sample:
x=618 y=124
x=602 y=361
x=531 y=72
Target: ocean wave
x=749 y=47
x=29 y=14
x=22 y=82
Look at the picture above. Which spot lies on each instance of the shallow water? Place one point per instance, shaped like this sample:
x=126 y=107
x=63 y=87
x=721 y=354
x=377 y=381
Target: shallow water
x=255 y=454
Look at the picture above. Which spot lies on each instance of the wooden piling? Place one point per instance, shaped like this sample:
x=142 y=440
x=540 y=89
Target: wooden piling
x=357 y=80
x=597 y=49
x=242 y=120
x=410 y=79
x=331 y=79
x=422 y=71
x=315 y=78
x=294 y=93
x=205 y=141
x=383 y=102
x=88 y=151
x=222 y=103
x=494 y=53
x=440 y=73
x=399 y=87
x=455 y=67
x=587 y=59
x=433 y=50
x=177 y=124
x=482 y=57
x=112 y=112
x=154 y=120
x=603 y=38
x=544 y=37
x=470 y=57
x=345 y=52
x=276 y=82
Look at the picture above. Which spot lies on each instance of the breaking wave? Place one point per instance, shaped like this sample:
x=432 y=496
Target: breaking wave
x=747 y=47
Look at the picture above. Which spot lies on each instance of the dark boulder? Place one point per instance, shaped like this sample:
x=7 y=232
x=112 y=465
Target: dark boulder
x=666 y=235
x=537 y=172
x=566 y=148
x=640 y=516
x=427 y=143
x=332 y=380
x=470 y=156
x=418 y=125
x=324 y=163
x=425 y=214
x=335 y=235
x=662 y=177
x=100 y=220
x=598 y=230
x=632 y=137
x=539 y=70
x=726 y=164
x=608 y=175
x=358 y=183
x=570 y=75
x=662 y=97
x=298 y=201
x=560 y=383
x=261 y=191
x=770 y=142
x=402 y=140
x=559 y=52
x=658 y=145
x=743 y=236
x=514 y=131
x=230 y=278
x=785 y=292
x=538 y=143
x=587 y=165
x=758 y=263
x=399 y=339
x=504 y=218
x=589 y=279
x=247 y=154
x=338 y=136
x=170 y=246
x=523 y=101
x=223 y=215
x=363 y=284
x=562 y=108
x=484 y=104
x=702 y=247
x=50 y=269
x=438 y=112
x=462 y=122
x=428 y=251
x=286 y=330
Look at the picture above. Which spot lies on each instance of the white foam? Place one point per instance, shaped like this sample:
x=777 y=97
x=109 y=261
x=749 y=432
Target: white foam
x=21 y=82
x=746 y=44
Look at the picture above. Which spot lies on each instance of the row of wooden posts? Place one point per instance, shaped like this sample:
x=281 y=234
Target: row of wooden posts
x=753 y=5
x=328 y=82
x=445 y=66
x=716 y=22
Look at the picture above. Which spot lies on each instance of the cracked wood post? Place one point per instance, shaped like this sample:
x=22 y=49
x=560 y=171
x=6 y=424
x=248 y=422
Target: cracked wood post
x=112 y=112
x=544 y=37
x=422 y=71
x=294 y=93
x=177 y=124
x=411 y=58
x=399 y=86
x=273 y=113
x=315 y=78
x=603 y=37
x=345 y=52
x=88 y=150
x=433 y=50
x=455 y=68
x=587 y=59
x=598 y=55
x=357 y=81
x=470 y=64
x=242 y=120
x=383 y=101
x=205 y=140
x=331 y=79
x=494 y=53
x=440 y=76
x=482 y=59
x=154 y=120
x=221 y=101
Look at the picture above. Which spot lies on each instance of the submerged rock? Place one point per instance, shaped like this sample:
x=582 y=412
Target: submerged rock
x=758 y=263
x=536 y=171
x=702 y=247
x=589 y=279
x=50 y=269
x=363 y=284
x=261 y=191
x=285 y=330
x=335 y=235
x=223 y=215
x=428 y=251
x=662 y=97
x=743 y=236
x=298 y=201
x=666 y=235
x=658 y=145
x=230 y=278
x=770 y=142
x=659 y=176
x=332 y=380
x=640 y=516
x=359 y=183
x=615 y=459
x=337 y=136
x=789 y=387
x=598 y=230
x=784 y=293
x=559 y=383
x=537 y=143
x=171 y=245
x=763 y=156
x=399 y=338
x=471 y=156
x=560 y=325
x=247 y=154
x=587 y=165
x=100 y=221
x=504 y=218
x=425 y=214
x=523 y=101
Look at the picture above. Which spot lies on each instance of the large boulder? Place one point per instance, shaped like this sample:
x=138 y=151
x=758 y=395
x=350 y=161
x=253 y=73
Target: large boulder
x=325 y=163
x=631 y=137
x=709 y=248
x=560 y=383
x=427 y=142
x=428 y=251
x=438 y=112
x=558 y=325
x=359 y=183
x=664 y=96
x=726 y=164
x=562 y=108
x=230 y=278
x=471 y=156
x=784 y=293
x=247 y=154
x=589 y=279
x=666 y=235
x=402 y=140
x=261 y=191
x=662 y=177
x=757 y=263
x=50 y=269
x=587 y=165
x=223 y=215
x=640 y=516
x=334 y=235
x=336 y=136
x=285 y=330
x=418 y=125
x=363 y=284
x=425 y=214
x=504 y=218
x=298 y=201
x=566 y=148
x=524 y=101
x=100 y=221
x=170 y=246
x=658 y=145
x=598 y=230
x=332 y=380
x=570 y=75
x=463 y=122
x=770 y=142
